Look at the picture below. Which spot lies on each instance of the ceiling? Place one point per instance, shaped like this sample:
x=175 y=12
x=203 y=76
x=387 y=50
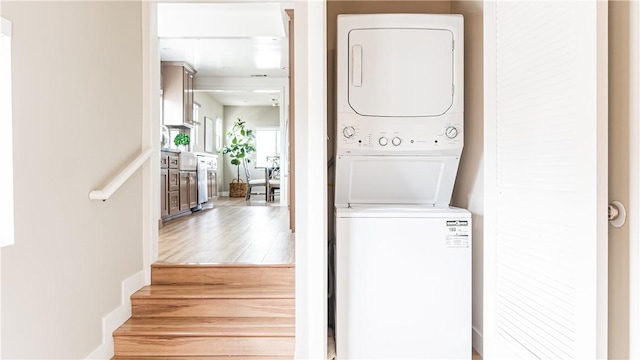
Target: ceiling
x=229 y=40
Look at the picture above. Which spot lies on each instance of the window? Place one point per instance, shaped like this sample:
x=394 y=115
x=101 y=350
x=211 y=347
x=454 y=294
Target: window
x=267 y=146
x=218 y=134
x=6 y=146
x=195 y=131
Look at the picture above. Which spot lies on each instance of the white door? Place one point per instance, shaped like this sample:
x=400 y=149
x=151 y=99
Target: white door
x=545 y=253
x=386 y=62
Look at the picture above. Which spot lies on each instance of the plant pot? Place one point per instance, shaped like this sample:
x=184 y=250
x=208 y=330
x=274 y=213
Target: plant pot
x=237 y=189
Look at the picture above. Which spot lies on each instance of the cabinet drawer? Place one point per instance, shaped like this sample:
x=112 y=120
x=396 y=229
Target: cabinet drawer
x=174 y=202
x=174 y=180
x=164 y=161
x=173 y=161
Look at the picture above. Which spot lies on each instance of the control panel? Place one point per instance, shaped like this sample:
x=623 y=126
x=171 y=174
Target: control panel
x=383 y=136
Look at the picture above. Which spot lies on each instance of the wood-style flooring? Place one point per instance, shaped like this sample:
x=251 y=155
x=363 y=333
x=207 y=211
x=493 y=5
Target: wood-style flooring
x=233 y=230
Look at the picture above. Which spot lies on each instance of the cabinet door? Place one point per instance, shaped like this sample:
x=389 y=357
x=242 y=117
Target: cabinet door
x=184 y=190
x=212 y=185
x=174 y=202
x=174 y=180
x=193 y=189
x=164 y=199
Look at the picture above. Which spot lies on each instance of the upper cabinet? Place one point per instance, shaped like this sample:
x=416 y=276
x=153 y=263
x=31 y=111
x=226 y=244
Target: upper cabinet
x=177 y=94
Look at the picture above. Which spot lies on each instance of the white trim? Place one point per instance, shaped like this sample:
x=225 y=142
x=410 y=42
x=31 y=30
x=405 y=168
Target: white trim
x=150 y=136
x=634 y=183
x=602 y=180
x=212 y=83
x=477 y=341
x=118 y=316
x=490 y=196
x=311 y=179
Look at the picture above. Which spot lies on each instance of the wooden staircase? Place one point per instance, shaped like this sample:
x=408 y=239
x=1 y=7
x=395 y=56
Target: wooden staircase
x=195 y=312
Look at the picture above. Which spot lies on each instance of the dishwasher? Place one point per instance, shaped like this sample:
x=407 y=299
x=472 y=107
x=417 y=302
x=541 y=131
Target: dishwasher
x=206 y=163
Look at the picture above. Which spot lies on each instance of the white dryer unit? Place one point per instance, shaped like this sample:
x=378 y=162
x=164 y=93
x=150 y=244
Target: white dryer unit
x=400 y=80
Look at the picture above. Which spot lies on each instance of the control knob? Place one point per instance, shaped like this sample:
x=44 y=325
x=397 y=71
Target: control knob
x=451 y=132
x=396 y=141
x=383 y=141
x=348 y=132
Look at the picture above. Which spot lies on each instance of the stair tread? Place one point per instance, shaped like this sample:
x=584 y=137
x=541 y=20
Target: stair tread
x=220 y=265
x=220 y=291
x=264 y=327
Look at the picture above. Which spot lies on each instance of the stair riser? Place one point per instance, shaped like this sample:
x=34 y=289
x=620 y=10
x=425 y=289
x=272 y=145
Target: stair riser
x=192 y=275
x=203 y=346
x=213 y=307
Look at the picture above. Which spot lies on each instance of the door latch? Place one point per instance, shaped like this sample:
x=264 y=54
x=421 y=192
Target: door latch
x=617 y=214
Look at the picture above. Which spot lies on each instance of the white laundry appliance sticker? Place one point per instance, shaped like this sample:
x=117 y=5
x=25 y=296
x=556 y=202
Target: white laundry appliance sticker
x=457 y=234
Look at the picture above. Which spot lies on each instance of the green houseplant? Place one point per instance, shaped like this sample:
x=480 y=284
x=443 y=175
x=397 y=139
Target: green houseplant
x=182 y=139
x=240 y=145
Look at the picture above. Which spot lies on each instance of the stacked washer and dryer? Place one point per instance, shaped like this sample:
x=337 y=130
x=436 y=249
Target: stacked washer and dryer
x=403 y=255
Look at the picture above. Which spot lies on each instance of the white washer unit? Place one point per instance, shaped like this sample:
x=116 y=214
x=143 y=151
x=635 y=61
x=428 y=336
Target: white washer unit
x=403 y=256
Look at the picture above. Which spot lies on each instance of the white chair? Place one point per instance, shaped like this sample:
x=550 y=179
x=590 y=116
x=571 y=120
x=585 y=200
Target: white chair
x=253 y=182
x=274 y=184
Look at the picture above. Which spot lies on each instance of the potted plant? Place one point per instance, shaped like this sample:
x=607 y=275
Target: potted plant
x=182 y=140
x=240 y=145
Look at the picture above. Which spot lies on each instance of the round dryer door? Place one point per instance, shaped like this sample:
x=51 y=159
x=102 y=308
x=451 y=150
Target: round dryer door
x=401 y=72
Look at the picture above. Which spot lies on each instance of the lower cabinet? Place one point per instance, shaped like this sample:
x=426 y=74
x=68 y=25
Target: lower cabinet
x=174 y=191
x=178 y=189
x=174 y=202
x=188 y=190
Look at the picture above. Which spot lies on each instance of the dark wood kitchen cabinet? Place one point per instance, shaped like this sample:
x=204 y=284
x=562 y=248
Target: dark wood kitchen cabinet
x=169 y=184
x=174 y=191
x=177 y=94
x=188 y=190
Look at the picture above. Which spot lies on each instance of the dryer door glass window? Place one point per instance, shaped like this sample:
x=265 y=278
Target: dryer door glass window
x=400 y=72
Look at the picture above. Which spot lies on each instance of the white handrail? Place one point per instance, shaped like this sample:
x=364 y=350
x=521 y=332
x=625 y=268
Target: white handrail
x=115 y=184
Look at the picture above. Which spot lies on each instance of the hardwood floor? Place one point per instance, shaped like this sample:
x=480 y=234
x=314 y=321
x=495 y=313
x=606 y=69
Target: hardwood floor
x=232 y=231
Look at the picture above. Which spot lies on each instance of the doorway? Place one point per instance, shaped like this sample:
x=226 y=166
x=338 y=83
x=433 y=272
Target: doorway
x=228 y=86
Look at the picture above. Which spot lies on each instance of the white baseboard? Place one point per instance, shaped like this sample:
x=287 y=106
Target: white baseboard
x=224 y=193
x=118 y=316
x=476 y=340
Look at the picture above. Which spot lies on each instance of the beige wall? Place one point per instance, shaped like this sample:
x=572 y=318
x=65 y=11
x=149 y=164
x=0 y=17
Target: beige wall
x=77 y=106
x=212 y=109
x=254 y=116
x=469 y=188
x=622 y=43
